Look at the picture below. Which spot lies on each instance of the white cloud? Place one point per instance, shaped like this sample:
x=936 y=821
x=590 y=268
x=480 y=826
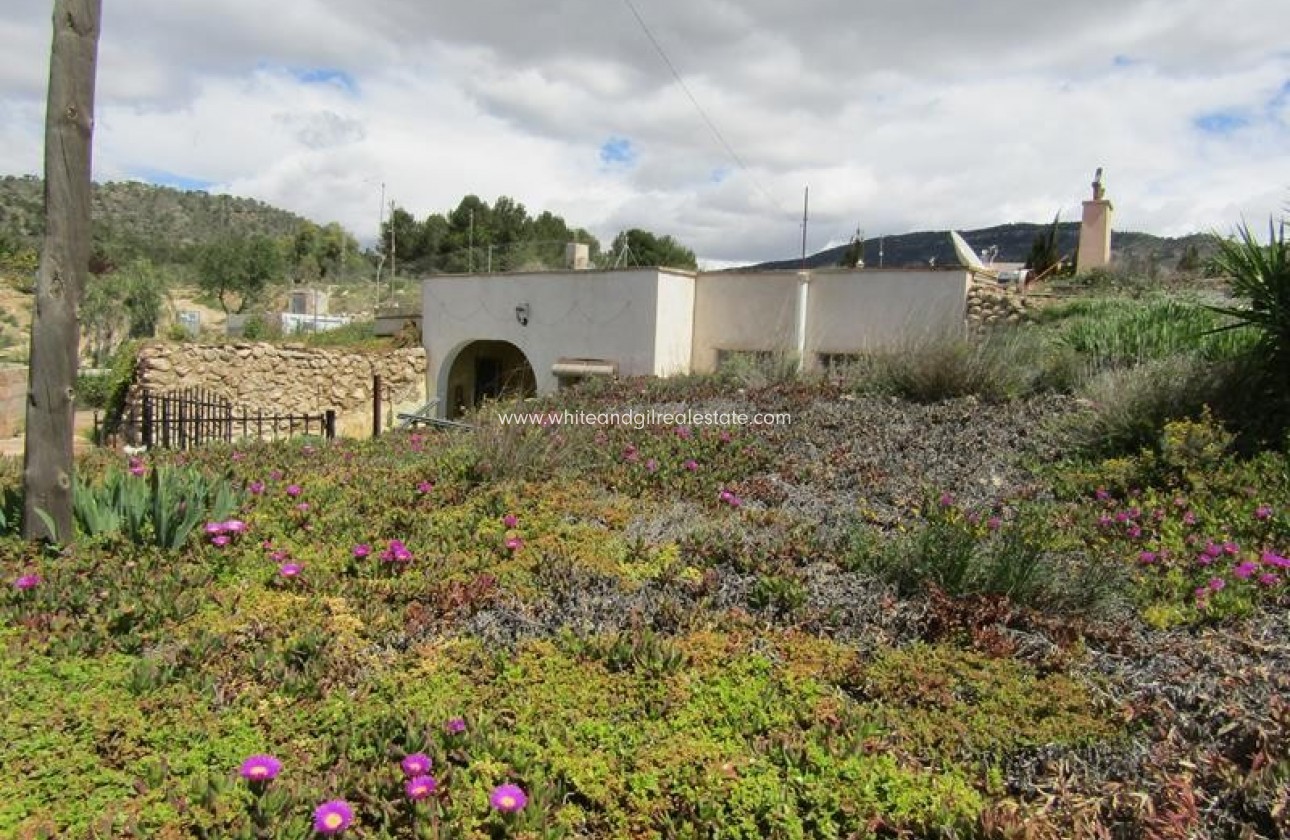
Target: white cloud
x=899 y=114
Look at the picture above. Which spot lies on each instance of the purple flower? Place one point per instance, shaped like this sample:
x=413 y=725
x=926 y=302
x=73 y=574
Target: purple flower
x=651 y=465
x=684 y=432
x=260 y=768
x=1212 y=550
x=1275 y=560
x=947 y=499
x=280 y=555
x=425 y=487
x=26 y=582
x=514 y=543
x=1263 y=512
x=1217 y=583
x=214 y=528
x=1189 y=518
x=333 y=817
x=255 y=488
x=220 y=540
x=510 y=520
x=397 y=552
x=508 y=798
x=1104 y=521
x=362 y=550
x=730 y=498
x=1101 y=494
x=455 y=726
x=1269 y=579
x=1135 y=532
x=235 y=526
x=1231 y=549
x=275 y=475
x=1245 y=570
x=993 y=523
x=290 y=570
x=1146 y=558
x=691 y=465
x=303 y=507
x=419 y=787
x=416 y=764
x=294 y=490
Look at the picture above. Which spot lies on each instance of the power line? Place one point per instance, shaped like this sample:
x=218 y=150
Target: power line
x=712 y=126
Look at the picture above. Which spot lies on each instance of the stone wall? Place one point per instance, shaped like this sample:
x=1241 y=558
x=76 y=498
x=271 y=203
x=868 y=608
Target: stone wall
x=287 y=378
x=13 y=399
x=988 y=306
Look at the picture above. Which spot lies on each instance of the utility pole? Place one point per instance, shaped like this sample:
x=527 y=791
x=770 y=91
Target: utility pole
x=394 y=269
x=470 y=251
x=60 y=281
x=806 y=203
x=380 y=262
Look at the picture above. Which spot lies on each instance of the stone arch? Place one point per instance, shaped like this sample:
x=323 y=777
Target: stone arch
x=482 y=369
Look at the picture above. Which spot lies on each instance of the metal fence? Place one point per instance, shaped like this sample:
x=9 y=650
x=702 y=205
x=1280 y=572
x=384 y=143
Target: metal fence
x=194 y=416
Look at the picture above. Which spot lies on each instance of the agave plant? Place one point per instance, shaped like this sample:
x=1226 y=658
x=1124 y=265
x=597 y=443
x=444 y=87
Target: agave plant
x=1260 y=275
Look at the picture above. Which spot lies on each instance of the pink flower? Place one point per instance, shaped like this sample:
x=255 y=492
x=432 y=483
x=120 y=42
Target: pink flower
x=303 y=507
x=691 y=465
x=947 y=499
x=993 y=523
x=1212 y=550
x=260 y=768
x=651 y=465
x=1245 y=570
x=510 y=520
x=397 y=552
x=684 y=432
x=730 y=498
x=455 y=726
x=1104 y=521
x=508 y=799
x=333 y=817
x=514 y=543
x=1135 y=532
x=1189 y=518
x=214 y=528
x=290 y=570
x=1146 y=558
x=1263 y=512
x=1275 y=560
x=419 y=787
x=362 y=550
x=416 y=764
x=1269 y=579
x=1101 y=495
x=1231 y=549
x=235 y=526
x=255 y=488
x=425 y=487
x=138 y=470
x=279 y=555
x=220 y=540
x=294 y=490
x=25 y=582
x=1215 y=584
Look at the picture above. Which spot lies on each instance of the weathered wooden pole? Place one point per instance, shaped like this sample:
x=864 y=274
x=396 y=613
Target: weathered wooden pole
x=64 y=263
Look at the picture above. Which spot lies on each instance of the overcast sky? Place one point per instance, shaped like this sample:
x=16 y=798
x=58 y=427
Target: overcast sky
x=899 y=115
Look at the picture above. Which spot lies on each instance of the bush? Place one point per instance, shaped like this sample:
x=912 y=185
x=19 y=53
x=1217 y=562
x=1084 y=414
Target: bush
x=999 y=366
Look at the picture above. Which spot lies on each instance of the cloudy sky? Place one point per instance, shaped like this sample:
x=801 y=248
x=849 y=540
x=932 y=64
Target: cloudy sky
x=898 y=114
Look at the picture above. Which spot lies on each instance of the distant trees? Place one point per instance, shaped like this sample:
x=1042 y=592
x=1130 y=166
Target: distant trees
x=1044 y=252
x=125 y=303
x=240 y=268
x=475 y=236
x=640 y=247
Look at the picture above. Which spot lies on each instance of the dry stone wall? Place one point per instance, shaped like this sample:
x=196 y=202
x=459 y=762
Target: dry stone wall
x=991 y=306
x=289 y=378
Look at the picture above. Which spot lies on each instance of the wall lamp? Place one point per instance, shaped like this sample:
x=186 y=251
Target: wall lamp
x=522 y=314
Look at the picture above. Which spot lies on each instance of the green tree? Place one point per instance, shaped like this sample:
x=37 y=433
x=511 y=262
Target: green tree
x=239 y=268
x=640 y=247
x=1044 y=255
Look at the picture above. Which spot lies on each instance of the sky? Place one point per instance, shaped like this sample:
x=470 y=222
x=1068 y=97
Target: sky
x=703 y=120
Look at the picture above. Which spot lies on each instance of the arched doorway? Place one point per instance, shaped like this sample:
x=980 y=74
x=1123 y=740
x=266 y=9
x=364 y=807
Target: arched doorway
x=486 y=370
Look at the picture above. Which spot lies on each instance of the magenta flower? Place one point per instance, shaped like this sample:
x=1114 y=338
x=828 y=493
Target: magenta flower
x=691 y=465
x=293 y=490
x=1231 y=549
x=514 y=543
x=26 y=582
x=280 y=556
x=333 y=817
x=219 y=540
x=1275 y=560
x=651 y=465
x=684 y=432
x=1104 y=521
x=730 y=498
x=397 y=552
x=235 y=526
x=1146 y=558
x=255 y=488
x=416 y=764
x=1212 y=550
x=630 y=454
x=260 y=768
x=275 y=475
x=362 y=550
x=1263 y=512
x=137 y=468
x=1101 y=494
x=290 y=570
x=1269 y=579
x=947 y=499
x=508 y=798
x=425 y=487
x=455 y=726
x=1217 y=583
x=510 y=520
x=1135 y=532
x=214 y=528
x=1245 y=570
x=303 y=507
x=419 y=787
x=993 y=523
x=1189 y=518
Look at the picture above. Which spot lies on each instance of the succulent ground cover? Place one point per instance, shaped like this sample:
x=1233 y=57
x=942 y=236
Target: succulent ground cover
x=887 y=619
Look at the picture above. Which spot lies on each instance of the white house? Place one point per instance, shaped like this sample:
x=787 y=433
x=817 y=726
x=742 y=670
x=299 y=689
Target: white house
x=489 y=333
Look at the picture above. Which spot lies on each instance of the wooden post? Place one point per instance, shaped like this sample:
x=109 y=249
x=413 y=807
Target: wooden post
x=376 y=405
x=149 y=434
x=60 y=281
x=329 y=424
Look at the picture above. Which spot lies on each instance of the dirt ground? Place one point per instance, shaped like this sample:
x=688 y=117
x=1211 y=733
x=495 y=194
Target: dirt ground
x=12 y=447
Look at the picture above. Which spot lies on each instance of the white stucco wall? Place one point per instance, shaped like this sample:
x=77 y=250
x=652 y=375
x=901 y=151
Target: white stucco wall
x=674 y=329
x=742 y=312
x=590 y=314
x=852 y=311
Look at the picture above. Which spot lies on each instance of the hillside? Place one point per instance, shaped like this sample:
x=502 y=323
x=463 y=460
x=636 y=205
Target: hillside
x=1137 y=252
x=159 y=222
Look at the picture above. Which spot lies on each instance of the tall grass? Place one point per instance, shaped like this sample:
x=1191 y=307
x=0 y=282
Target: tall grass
x=998 y=366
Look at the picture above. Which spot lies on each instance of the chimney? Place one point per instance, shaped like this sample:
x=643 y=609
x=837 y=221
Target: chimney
x=577 y=256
